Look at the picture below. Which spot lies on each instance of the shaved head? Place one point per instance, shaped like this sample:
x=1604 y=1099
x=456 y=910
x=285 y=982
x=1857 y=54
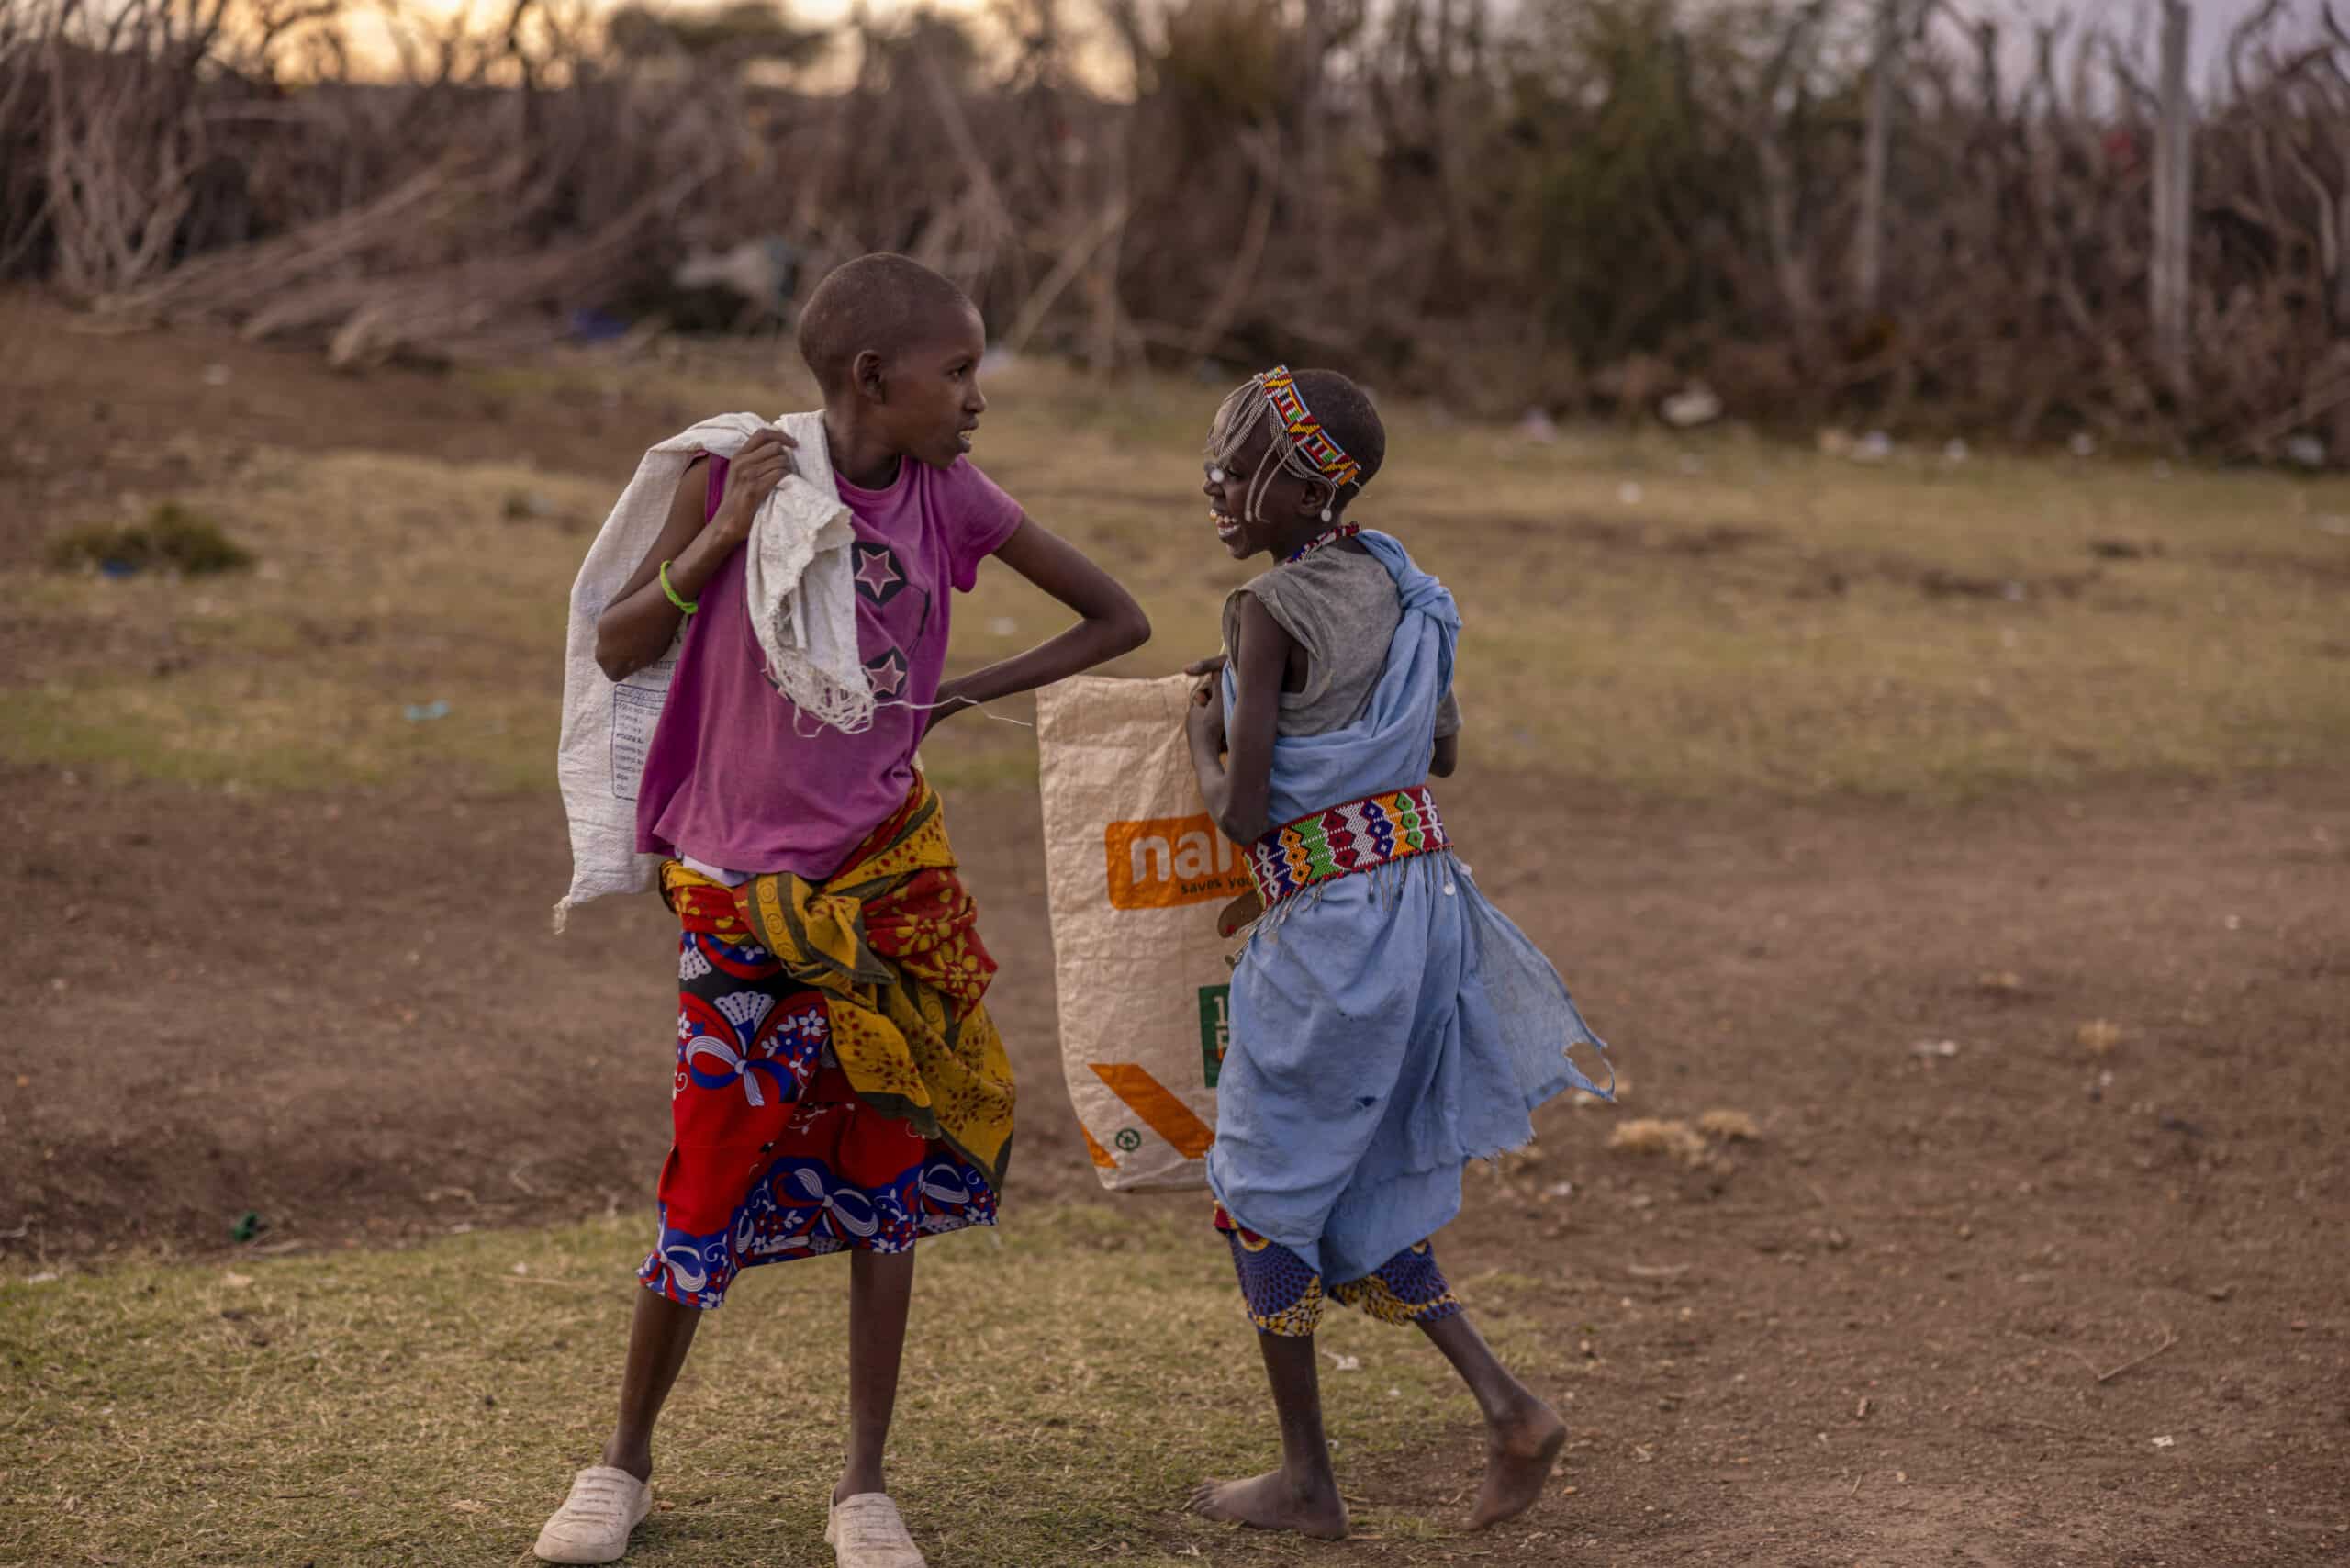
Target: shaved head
x=883 y=302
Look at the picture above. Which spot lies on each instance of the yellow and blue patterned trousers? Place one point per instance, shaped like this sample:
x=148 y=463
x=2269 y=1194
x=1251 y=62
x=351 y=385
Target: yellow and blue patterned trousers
x=1286 y=1296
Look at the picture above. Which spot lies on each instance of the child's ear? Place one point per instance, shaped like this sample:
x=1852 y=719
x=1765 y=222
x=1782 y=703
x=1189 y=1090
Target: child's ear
x=866 y=375
x=1313 y=497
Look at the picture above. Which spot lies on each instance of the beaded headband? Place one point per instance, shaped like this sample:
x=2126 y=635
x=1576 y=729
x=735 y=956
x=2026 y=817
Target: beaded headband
x=1300 y=445
x=1304 y=432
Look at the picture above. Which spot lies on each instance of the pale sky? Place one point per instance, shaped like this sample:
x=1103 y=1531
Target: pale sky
x=2214 y=20
x=2130 y=20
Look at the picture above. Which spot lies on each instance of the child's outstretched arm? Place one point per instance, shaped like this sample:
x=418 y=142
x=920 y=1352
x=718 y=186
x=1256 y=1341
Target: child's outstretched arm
x=1111 y=623
x=1239 y=791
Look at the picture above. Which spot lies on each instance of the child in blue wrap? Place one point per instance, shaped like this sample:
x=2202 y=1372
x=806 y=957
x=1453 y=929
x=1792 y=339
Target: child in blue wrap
x=1388 y=1024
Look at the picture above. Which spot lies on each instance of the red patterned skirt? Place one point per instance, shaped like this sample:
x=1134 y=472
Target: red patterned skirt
x=774 y=1155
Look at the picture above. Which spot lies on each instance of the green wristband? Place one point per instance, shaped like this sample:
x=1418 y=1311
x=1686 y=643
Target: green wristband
x=687 y=606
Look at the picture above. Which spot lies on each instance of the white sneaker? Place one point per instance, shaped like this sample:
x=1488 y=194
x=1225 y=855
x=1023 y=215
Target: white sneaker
x=592 y=1526
x=865 y=1531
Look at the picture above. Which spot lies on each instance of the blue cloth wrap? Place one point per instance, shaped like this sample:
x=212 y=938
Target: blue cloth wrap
x=1388 y=1027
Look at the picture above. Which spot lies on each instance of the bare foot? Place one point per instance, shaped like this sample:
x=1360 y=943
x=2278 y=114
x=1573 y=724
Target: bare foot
x=1520 y=1451
x=1270 y=1501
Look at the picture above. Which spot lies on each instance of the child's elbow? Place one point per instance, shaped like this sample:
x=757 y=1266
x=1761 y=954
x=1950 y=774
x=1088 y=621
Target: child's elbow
x=1244 y=829
x=1447 y=758
x=617 y=664
x=1129 y=629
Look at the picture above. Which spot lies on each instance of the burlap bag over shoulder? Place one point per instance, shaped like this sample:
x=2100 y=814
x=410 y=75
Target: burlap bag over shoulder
x=802 y=608
x=1137 y=872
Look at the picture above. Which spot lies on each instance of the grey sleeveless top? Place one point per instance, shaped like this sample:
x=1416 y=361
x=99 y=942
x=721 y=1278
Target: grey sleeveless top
x=1341 y=606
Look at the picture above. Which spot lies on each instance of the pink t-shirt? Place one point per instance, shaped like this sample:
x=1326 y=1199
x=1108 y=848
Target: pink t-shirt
x=730 y=779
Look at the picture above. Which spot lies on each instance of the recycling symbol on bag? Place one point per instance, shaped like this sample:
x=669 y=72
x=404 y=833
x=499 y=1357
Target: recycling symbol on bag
x=1129 y=1139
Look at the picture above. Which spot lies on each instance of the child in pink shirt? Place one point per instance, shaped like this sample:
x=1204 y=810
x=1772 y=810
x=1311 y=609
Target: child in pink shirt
x=838 y=1085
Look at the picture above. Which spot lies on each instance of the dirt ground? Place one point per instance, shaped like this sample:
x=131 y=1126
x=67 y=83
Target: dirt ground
x=1986 y=1289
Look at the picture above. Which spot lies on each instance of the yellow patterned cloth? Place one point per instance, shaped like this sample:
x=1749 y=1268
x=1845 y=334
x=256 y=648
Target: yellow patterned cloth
x=892 y=942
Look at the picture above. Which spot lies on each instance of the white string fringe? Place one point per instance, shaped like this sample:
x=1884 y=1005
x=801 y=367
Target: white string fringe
x=817 y=694
x=879 y=703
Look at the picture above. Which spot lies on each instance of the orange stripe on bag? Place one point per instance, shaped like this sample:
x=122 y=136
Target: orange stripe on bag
x=1160 y=1110
x=1101 y=1156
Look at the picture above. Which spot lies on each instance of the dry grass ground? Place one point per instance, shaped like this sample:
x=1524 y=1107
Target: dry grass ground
x=1066 y=1386
x=1675 y=617
x=1974 y=834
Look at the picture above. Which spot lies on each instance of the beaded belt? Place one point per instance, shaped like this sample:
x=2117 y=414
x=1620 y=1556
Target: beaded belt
x=1358 y=836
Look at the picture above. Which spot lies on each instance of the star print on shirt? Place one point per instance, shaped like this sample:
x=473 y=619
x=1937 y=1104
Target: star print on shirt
x=888 y=674
x=877 y=577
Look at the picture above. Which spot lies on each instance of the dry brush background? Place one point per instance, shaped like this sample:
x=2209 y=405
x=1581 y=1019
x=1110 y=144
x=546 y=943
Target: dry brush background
x=1819 y=209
